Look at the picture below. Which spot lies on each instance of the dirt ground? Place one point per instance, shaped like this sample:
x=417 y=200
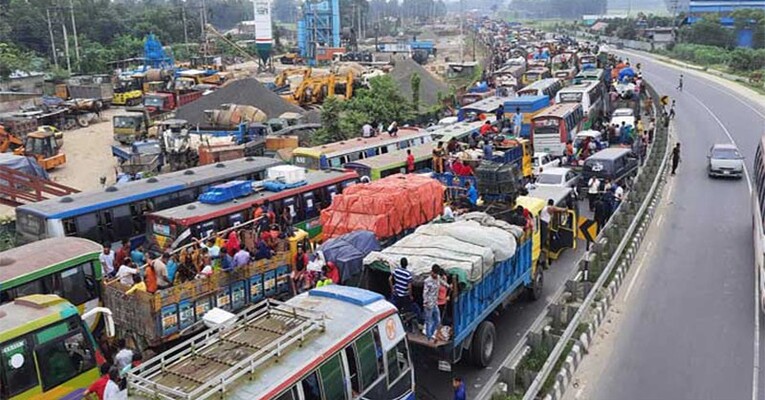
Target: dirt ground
x=88 y=157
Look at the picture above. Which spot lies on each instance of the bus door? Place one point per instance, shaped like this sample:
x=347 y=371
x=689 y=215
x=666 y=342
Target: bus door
x=562 y=233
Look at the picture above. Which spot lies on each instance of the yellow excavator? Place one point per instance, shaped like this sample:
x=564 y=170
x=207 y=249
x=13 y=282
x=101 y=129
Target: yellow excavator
x=314 y=90
x=41 y=145
x=283 y=77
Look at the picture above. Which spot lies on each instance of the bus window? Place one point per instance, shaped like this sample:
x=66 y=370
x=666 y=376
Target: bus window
x=335 y=163
x=18 y=367
x=332 y=379
x=397 y=360
x=290 y=394
x=137 y=211
x=70 y=228
x=353 y=369
x=87 y=226
x=64 y=357
x=369 y=362
x=187 y=196
x=121 y=221
x=311 y=389
x=310 y=206
x=34 y=287
x=72 y=283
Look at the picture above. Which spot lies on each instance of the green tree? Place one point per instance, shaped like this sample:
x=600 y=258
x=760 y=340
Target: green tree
x=708 y=31
x=330 y=122
x=12 y=59
x=415 y=92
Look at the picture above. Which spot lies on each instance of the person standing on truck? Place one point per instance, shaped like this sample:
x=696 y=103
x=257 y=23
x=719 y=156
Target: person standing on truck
x=545 y=217
x=122 y=254
x=675 y=158
x=438 y=158
x=500 y=114
x=517 y=122
x=401 y=288
x=107 y=261
x=160 y=268
x=430 y=303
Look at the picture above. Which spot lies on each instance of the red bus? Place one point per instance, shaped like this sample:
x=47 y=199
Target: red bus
x=175 y=226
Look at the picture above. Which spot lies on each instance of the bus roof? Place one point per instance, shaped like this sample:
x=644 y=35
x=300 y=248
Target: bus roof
x=197 y=211
x=460 y=129
x=558 y=110
x=32 y=312
x=84 y=202
x=30 y=258
x=487 y=105
x=341 y=147
x=395 y=158
x=539 y=85
x=579 y=87
x=330 y=305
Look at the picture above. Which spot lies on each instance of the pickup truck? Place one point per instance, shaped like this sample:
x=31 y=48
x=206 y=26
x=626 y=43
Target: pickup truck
x=543 y=161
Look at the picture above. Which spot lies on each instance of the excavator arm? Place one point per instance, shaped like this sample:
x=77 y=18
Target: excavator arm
x=10 y=142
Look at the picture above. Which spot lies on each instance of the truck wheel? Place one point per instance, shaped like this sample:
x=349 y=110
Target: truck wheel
x=537 y=284
x=83 y=121
x=482 y=348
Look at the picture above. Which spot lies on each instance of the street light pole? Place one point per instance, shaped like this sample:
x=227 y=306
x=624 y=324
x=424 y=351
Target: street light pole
x=74 y=31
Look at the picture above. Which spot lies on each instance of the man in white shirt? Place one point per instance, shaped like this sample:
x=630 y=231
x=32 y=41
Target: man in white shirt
x=107 y=261
x=545 y=216
x=593 y=187
x=618 y=193
x=125 y=273
x=367 y=131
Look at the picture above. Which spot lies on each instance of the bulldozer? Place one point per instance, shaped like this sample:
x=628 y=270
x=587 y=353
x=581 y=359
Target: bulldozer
x=41 y=145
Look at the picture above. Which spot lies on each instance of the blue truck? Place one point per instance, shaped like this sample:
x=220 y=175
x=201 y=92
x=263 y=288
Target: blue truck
x=473 y=334
x=529 y=107
x=245 y=133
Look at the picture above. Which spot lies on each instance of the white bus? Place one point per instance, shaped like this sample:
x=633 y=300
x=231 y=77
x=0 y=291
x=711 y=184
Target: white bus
x=331 y=343
x=591 y=95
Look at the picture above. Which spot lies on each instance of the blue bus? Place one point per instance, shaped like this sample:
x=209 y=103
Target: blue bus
x=118 y=212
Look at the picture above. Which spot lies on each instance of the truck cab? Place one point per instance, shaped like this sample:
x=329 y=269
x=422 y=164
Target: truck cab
x=131 y=126
x=159 y=103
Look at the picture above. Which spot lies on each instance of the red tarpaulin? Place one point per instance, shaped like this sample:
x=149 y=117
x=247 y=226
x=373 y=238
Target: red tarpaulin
x=386 y=207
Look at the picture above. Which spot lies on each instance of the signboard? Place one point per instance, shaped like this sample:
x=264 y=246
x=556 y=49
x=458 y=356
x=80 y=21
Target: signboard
x=391 y=332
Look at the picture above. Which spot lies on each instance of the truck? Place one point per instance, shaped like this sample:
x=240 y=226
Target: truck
x=97 y=87
x=140 y=157
x=165 y=102
x=135 y=124
x=488 y=267
x=250 y=134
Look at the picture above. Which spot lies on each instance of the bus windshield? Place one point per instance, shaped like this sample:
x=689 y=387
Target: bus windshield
x=571 y=97
x=546 y=126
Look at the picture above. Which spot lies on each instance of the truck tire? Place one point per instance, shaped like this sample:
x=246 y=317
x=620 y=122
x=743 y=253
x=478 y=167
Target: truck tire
x=482 y=347
x=537 y=284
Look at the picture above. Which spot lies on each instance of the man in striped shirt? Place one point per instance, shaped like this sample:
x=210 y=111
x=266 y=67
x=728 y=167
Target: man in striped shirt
x=401 y=288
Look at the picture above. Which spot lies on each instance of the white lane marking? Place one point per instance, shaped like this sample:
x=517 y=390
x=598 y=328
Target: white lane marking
x=756 y=362
x=660 y=220
x=637 y=271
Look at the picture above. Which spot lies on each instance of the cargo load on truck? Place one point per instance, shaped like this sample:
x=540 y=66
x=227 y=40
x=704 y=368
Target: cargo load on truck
x=387 y=207
x=487 y=263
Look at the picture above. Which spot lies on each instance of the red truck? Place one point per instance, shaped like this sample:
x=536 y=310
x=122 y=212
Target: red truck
x=163 y=102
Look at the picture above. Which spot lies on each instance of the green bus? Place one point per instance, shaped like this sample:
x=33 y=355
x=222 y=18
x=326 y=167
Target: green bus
x=64 y=266
x=47 y=350
x=393 y=163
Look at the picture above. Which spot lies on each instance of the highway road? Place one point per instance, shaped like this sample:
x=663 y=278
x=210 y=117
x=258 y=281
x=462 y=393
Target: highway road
x=687 y=325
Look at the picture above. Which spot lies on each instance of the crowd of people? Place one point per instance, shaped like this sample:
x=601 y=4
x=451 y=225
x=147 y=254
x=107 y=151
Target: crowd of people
x=141 y=271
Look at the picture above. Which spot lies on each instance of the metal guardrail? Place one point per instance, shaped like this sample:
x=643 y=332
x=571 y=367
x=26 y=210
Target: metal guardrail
x=568 y=333
x=605 y=247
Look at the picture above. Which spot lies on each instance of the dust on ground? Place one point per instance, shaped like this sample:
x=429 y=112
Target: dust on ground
x=88 y=157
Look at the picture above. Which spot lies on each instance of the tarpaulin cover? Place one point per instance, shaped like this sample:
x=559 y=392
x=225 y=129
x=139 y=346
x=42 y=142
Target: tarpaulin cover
x=348 y=252
x=466 y=249
x=386 y=207
x=23 y=164
x=626 y=72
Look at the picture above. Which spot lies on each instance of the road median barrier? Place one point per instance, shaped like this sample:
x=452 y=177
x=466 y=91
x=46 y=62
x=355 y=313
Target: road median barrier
x=543 y=363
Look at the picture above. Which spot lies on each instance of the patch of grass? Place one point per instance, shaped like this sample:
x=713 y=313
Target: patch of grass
x=550 y=381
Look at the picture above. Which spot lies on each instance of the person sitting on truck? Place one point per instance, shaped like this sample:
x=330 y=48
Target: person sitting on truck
x=485 y=128
x=160 y=268
x=469 y=200
x=242 y=257
x=453 y=146
x=138 y=285
x=401 y=288
x=438 y=158
x=461 y=169
x=122 y=254
x=262 y=250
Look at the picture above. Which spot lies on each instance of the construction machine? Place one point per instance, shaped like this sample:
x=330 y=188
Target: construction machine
x=282 y=80
x=41 y=145
x=292 y=57
x=176 y=144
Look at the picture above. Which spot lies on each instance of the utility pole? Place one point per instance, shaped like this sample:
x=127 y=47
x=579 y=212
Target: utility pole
x=203 y=20
x=74 y=31
x=185 y=27
x=66 y=45
x=462 y=35
x=52 y=39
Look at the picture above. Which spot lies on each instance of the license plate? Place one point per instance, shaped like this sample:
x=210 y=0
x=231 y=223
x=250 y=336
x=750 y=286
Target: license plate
x=726 y=172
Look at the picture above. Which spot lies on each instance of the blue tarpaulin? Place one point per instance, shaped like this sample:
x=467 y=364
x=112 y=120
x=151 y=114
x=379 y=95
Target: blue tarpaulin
x=348 y=252
x=626 y=72
x=27 y=165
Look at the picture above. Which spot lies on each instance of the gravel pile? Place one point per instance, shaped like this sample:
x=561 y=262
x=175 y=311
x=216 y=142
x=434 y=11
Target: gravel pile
x=429 y=85
x=248 y=91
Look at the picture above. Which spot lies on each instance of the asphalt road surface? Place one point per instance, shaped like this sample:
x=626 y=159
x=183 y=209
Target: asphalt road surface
x=689 y=329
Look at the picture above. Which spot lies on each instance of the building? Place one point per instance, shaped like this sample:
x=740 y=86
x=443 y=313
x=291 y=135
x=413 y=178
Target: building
x=722 y=7
x=19 y=81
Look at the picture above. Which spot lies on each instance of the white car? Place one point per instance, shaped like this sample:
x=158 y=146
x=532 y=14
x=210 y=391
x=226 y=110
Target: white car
x=725 y=161
x=626 y=115
x=563 y=177
x=543 y=161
